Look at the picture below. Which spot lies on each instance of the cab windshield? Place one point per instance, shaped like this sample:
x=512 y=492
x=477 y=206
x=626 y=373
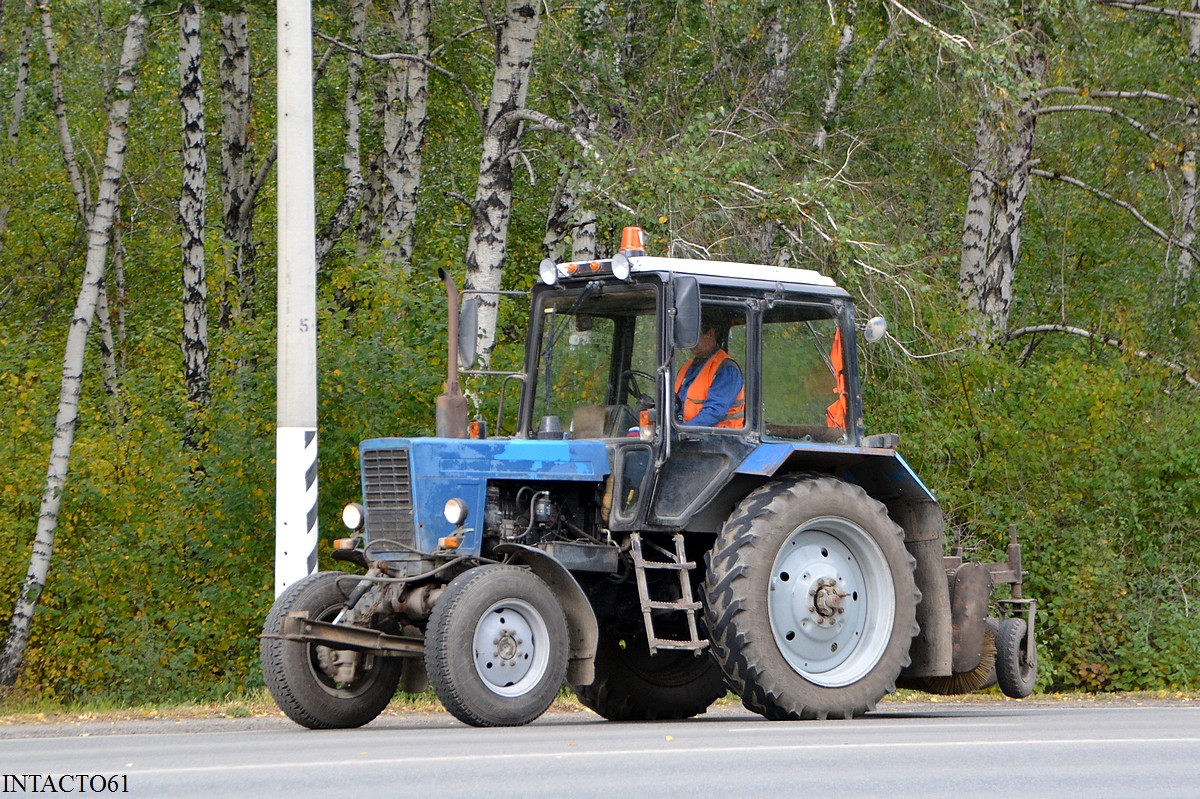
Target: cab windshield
x=596 y=360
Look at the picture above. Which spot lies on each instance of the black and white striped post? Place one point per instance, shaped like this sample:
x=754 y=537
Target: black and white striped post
x=296 y=397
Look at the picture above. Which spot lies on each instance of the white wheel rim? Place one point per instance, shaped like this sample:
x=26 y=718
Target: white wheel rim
x=831 y=602
x=511 y=648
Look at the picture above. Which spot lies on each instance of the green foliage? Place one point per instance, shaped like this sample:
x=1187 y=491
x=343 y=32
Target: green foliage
x=162 y=570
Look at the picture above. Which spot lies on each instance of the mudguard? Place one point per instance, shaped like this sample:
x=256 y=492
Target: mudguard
x=885 y=475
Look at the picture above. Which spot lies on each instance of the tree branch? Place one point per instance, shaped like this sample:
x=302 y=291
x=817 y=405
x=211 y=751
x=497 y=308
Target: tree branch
x=549 y=123
x=1145 y=94
x=960 y=41
x=1170 y=12
x=1173 y=366
x=384 y=57
x=1153 y=228
x=1104 y=109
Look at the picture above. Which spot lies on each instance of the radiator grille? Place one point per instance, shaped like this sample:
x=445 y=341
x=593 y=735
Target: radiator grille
x=387 y=495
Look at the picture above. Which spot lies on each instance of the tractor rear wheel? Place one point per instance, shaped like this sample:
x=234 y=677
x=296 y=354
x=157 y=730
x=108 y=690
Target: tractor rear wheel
x=810 y=600
x=633 y=685
x=496 y=646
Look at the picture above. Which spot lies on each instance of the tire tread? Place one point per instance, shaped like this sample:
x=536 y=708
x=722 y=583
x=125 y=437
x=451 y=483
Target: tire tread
x=725 y=592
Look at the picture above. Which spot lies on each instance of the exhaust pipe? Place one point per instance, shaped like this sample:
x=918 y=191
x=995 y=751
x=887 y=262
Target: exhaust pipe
x=451 y=413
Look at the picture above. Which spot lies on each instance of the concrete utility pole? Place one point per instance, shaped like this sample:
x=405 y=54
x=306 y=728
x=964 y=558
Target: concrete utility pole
x=296 y=398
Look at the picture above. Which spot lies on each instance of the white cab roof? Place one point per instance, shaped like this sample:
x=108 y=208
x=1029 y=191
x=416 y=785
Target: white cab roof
x=691 y=266
x=700 y=268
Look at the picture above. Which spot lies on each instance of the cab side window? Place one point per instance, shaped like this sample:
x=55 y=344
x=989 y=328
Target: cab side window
x=803 y=374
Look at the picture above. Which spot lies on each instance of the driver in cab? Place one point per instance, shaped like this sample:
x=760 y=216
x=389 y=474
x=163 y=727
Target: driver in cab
x=709 y=389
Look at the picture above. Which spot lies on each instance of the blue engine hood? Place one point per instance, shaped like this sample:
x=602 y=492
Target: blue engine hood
x=442 y=468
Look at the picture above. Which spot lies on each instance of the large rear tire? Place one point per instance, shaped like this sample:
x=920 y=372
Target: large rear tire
x=633 y=685
x=301 y=676
x=496 y=646
x=810 y=600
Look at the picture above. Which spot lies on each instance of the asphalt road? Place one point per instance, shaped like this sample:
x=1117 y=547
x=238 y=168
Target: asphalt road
x=1001 y=749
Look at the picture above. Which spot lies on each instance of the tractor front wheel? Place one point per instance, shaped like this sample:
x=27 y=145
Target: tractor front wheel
x=317 y=686
x=496 y=646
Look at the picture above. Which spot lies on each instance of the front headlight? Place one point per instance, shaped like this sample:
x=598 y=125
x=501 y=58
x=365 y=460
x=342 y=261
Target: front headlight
x=455 y=511
x=352 y=515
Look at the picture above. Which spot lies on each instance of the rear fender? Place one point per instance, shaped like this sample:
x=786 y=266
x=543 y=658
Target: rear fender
x=887 y=477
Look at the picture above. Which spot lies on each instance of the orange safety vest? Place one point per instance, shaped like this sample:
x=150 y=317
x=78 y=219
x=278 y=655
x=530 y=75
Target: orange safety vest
x=835 y=414
x=698 y=392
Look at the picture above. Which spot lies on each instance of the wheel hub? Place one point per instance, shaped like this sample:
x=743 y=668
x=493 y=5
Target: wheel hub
x=509 y=653
x=827 y=600
x=831 y=601
x=508 y=645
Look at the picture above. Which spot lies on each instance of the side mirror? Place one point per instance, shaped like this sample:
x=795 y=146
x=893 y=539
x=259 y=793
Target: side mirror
x=468 y=332
x=875 y=330
x=686 y=330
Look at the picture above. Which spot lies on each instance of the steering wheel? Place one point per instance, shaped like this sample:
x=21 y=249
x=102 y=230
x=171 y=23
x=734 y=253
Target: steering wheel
x=631 y=386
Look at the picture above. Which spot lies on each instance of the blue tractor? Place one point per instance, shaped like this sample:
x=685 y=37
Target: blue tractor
x=651 y=563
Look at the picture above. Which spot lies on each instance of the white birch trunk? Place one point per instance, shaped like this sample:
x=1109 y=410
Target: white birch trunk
x=492 y=207
x=352 y=197
x=562 y=206
x=977 y=227
x=568 y=216
x=83 y=202
x=1185 y=264
x=833 y=93
x=108 y=349
x=999 y=186
x=114 y=292
x=78 y=187
x=193 y=190
x=237 y=173
x=99 y=229
x=598 y=61
x=405 y=111
x=372 y=205
x=779 y=48
x=17 y=116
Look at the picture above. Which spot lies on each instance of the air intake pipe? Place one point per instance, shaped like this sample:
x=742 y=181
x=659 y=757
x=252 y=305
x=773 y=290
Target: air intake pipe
x=451 y=412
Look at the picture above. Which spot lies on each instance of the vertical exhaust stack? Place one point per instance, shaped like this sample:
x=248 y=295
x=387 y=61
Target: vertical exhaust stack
x=451 y=413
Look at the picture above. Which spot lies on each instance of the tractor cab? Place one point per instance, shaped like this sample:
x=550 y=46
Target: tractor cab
x=612 y=345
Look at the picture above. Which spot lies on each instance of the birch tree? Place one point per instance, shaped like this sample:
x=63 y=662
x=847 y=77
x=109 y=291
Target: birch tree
x=99 y=230
x=999 y=185
x=833 y=92
x=1169 y=123
x=193 y=191
x=81 y=191
x=343 y=215
x=239 y=183
x=17 y=106
x=492 y=206
x=569 y=215
x=1186 y=262
x=1182 y=266
x=405 y=111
